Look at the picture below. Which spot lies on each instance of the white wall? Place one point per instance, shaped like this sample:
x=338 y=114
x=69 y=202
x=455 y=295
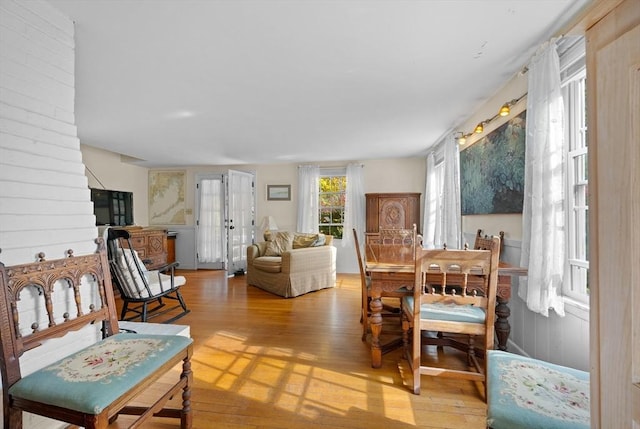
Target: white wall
x=105 y=171
x=44 y=198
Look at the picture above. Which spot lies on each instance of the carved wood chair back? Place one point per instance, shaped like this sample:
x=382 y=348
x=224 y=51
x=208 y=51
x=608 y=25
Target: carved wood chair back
x=392 y=246
x=484 y=242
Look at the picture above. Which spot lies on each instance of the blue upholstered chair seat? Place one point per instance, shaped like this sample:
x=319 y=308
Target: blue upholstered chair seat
x=454 y=313
x=528 y=393
x=91 y=379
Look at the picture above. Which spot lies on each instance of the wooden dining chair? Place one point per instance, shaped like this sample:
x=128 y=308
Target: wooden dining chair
x=365 y=280
x=484 y=242
x=392 y=245
x=437 y=306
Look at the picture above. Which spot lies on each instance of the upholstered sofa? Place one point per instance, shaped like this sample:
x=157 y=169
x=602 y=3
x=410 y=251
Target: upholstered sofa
x=290 y=265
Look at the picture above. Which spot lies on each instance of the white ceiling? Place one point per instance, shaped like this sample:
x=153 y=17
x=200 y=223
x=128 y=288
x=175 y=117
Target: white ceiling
x=210 y=82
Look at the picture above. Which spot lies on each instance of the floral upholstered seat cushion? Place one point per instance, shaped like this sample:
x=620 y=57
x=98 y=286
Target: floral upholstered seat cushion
x=91 y=379
x=528 y=393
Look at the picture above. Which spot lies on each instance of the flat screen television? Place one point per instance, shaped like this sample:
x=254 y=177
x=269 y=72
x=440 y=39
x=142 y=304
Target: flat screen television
x=112 y=207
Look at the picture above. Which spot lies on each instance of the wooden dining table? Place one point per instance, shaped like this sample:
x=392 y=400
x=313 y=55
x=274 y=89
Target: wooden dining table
x=388 y=277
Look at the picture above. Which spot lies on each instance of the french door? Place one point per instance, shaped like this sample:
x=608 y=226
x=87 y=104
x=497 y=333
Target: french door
x=240 y=218
x=210 y=222
x=225 y=207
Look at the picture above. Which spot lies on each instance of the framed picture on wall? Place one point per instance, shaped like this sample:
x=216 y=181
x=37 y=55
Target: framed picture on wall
x=278 y=192
x=492 y=170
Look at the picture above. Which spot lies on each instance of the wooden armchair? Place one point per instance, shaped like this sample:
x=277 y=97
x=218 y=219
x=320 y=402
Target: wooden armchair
x=436 y=306
x=91 y=387
x=143 y=292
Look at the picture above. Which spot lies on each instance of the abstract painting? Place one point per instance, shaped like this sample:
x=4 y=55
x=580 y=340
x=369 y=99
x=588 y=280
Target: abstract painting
x=492 y=170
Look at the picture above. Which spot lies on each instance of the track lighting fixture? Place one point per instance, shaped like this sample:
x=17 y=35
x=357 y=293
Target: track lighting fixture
x=461 y=137
x=505 y=110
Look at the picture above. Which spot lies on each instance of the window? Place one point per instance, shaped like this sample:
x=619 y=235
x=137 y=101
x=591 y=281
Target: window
x=576 y=284
x=332 y=194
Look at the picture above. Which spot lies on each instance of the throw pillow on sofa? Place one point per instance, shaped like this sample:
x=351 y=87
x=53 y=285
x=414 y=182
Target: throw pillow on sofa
x=280 y=242
x=301 y=240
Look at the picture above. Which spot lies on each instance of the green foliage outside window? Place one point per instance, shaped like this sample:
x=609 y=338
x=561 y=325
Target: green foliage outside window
x=332 y=196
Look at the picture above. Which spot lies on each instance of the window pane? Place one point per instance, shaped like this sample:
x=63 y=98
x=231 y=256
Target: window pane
x=581 y=168
x=580 y=276
x=580 y=245
x=331 y=199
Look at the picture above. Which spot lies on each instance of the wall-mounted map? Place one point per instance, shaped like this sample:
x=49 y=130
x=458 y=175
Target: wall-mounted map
x=166 y=198
x=492 y=170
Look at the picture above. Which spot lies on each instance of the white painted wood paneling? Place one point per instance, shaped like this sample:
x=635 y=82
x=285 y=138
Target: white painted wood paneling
x=45 y=204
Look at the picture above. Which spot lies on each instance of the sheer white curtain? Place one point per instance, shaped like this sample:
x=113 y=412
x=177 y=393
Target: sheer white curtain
x=442 y=214
x=432 y=206
x=354 y=206
x=308 y=184
x=210 y=232
x=543 y=217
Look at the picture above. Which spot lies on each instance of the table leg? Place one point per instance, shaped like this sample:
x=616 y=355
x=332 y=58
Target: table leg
x=503 y=329
x=375 y=322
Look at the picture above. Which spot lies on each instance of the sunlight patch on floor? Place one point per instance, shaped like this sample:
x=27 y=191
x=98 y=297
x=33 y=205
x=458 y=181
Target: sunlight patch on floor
x=293 y=381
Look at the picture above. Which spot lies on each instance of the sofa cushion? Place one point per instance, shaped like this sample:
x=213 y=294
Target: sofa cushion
x=280 y=242
x=269 y=264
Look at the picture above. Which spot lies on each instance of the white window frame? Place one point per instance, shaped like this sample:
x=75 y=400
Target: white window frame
x=575 y=285
x=331 y=172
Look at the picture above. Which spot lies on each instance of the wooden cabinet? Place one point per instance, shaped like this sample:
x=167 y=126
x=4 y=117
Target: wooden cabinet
x=392 y=210
x=151 y=245
x=171 y=248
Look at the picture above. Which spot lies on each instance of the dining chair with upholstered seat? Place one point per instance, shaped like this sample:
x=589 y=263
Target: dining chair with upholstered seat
x=436 y=306
x=397 y=242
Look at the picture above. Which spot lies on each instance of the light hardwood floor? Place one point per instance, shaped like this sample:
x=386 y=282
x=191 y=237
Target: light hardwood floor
x=261 y=361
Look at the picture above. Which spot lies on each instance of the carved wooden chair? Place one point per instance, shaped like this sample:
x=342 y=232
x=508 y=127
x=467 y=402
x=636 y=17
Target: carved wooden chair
x=392 y=245
x=436 y=306
x=144 y=293
x=365 y=283
x=92 y=386
x=395 y=246
x=484 y=242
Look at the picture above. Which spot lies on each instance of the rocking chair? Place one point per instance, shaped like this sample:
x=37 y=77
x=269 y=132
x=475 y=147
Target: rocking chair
x=143 y=292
